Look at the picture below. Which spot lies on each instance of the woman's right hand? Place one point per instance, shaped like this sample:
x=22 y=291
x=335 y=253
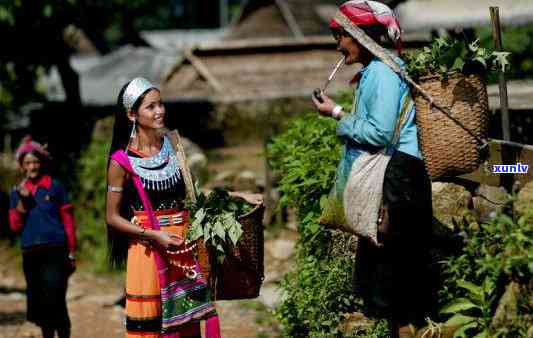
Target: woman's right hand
x=168 y=241
x=325 y=108
x=22 y=190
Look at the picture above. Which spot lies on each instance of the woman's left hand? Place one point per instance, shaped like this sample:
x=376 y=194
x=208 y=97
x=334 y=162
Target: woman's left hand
x=324 y=108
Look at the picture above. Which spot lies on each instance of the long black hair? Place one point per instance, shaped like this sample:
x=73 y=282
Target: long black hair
x=118 y=242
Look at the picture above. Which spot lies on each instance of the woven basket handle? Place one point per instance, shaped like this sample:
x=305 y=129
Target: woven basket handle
x=182 y=159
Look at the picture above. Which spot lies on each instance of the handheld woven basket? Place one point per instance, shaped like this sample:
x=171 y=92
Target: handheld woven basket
x=449 y=149
x=241 y=274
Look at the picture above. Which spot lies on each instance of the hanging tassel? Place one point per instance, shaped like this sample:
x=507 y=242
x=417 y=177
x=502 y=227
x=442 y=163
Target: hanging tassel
x=212 y=327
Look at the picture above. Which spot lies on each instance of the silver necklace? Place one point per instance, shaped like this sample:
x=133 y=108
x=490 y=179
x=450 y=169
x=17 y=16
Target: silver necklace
x=159 y=172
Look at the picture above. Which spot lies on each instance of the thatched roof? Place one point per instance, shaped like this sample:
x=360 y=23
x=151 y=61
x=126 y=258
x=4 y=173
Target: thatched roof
x=259 y=69
x=280 y=18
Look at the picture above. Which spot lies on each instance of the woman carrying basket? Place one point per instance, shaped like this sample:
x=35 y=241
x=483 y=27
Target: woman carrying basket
x=166 y=293
x=392 y=275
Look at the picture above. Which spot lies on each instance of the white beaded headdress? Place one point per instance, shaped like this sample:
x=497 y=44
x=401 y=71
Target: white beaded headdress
x=134 y=90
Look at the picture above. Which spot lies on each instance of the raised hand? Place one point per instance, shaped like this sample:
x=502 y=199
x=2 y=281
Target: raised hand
x=325 y=108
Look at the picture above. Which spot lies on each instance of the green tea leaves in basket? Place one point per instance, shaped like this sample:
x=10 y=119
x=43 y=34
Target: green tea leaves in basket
x=215 y=218
x=449 y=55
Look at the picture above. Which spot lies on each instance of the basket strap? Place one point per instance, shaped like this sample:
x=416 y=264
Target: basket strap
x=402 y=119
x=185 y=170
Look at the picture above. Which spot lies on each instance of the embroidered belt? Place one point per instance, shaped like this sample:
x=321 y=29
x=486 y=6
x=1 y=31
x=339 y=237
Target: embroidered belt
x=165 y=217
x=183 y=258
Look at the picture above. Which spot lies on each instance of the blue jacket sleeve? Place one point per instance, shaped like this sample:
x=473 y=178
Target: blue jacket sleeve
x=377 y=109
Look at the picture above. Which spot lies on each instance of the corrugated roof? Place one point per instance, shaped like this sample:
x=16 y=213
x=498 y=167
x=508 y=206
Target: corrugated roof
x=179 y=39
x=101 y=77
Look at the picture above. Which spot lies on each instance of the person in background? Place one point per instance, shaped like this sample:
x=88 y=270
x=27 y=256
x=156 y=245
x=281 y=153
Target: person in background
x=40 y=210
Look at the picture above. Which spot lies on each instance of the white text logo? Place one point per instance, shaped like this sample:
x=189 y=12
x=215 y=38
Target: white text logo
x=518 y=168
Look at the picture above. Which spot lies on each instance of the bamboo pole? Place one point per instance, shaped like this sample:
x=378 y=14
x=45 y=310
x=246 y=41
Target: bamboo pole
x=518 y=146
x=504 y=103
x=508 y=152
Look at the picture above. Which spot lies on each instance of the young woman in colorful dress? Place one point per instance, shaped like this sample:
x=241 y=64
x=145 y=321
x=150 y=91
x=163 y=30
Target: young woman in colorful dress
x=166 y=292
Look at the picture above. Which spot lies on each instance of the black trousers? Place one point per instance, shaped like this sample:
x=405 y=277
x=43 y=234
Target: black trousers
x=395 y=280
x=47 y=271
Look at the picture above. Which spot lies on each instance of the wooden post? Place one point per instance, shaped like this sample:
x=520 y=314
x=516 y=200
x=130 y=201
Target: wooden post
x=504 y=104
x=289 y=18
x=508 y=153
x=202 y=70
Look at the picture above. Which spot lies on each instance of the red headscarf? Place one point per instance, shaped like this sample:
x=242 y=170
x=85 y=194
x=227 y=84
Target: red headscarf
x=27 y=145
x=366 y=12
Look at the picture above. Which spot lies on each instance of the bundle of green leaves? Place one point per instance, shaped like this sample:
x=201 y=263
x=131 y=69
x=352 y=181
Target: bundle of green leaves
x=446 y=55
x=215 y=218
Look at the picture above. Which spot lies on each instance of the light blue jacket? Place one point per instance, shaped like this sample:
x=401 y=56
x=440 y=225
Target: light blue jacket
x=380 y=97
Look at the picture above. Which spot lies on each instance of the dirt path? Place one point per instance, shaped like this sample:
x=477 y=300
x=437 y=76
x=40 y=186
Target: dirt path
x=92 y=298
x=92 y=306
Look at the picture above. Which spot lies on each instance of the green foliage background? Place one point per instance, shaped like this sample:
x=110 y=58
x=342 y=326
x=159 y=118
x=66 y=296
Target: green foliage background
x=89 y=198
x=496 y=254
x=518 y=41
x=318 y=291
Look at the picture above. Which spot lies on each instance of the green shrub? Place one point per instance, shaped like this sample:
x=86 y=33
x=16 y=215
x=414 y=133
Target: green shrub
x=89 y=200
x=518 y=41
x=318 y=292
x=305 y=156
x=496 y=254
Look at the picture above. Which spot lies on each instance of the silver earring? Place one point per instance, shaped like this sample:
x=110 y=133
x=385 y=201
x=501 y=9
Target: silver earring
x=132 y=135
